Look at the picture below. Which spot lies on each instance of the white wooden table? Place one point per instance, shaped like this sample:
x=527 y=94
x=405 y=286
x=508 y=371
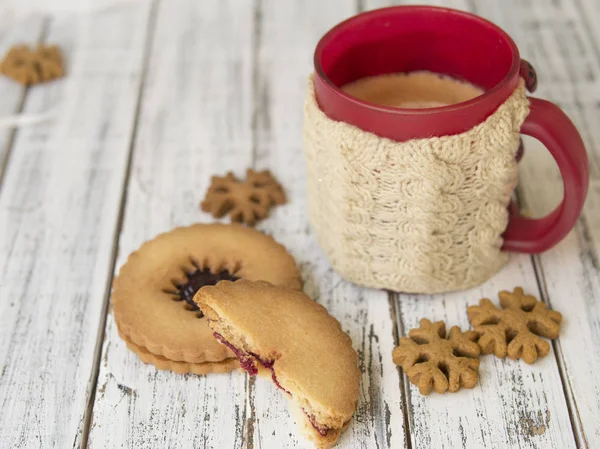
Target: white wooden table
x=162 y=95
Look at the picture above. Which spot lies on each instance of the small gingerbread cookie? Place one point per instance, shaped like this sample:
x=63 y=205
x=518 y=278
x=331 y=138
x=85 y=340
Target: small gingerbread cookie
x=152 y=295
x=28 y=66
x=245 y=201
x=435 y=361
x=285 y=334
x=516 y=328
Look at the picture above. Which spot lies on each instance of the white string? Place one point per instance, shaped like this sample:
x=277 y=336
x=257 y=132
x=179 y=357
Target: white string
x=13 y=121
x=17 y=120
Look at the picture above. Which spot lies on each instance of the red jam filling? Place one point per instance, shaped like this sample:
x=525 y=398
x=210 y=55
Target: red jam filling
x=322 y=430
x=269 y=365
x=247 y=361
x=198 y=279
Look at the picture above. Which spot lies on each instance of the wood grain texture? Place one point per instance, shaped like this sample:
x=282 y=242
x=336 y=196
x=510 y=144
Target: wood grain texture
x=12 y=94
x=58 y=212
x=224 y=91
x=195 y=122
x=285 y=45
x=514 y=405
x=561 y=41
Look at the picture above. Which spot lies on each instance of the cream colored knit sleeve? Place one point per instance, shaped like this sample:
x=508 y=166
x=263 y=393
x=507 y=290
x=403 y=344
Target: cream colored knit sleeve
x=423 y=216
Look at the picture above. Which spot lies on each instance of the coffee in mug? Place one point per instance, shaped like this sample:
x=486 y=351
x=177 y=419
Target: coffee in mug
x=420 y=89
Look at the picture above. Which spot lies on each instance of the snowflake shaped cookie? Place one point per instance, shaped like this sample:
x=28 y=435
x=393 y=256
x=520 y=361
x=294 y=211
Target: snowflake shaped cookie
x=433 y=361
x=515 y=329
x=28 y=66
x=245 y=201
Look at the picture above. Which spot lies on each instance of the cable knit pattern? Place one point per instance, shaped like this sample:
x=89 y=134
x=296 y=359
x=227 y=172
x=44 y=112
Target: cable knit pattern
x=420 y=216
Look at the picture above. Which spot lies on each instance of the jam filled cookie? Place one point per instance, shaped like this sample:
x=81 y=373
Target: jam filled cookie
x=153 y=294
x=288 y=336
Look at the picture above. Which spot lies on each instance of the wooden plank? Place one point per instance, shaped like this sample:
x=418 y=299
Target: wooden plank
x=12 y=95
x=515 y=405
x=195 y=121
x=586 y=12
x=565 y=54
x=58 y=212
x=288 y=36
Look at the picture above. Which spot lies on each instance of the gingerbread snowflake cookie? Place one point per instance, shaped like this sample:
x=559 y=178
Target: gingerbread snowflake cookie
x=28 y=66
x=153 y=294
x=516 y=328
x=245 y=201
x=434 y=361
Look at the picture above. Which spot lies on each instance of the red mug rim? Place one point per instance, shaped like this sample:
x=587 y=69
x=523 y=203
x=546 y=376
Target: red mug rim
x=324 y=41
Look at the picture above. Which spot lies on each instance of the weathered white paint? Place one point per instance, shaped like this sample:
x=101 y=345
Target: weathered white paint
x=195 y=121
x=27 y=31
x=284 y=49
x=224 y=91
x=58 y=213
x=564 y=44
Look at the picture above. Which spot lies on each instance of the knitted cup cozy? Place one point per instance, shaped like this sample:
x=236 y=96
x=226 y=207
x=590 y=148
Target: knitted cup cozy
x=421 y=216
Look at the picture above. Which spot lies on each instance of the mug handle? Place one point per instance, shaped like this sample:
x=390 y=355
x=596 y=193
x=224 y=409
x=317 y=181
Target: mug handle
x=551 y=126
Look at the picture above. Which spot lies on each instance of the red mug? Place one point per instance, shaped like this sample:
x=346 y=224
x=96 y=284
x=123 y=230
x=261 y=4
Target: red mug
x=467 y=47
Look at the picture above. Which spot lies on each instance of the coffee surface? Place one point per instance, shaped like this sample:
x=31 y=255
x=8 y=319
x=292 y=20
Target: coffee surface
x=412 y=90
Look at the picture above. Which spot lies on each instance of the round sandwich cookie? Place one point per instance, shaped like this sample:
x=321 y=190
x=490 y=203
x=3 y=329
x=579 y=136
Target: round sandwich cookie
x=291 y=338
x=153 y=293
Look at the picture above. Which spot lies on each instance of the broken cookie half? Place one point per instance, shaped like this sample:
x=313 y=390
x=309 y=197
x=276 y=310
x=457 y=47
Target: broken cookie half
x=286 y=335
